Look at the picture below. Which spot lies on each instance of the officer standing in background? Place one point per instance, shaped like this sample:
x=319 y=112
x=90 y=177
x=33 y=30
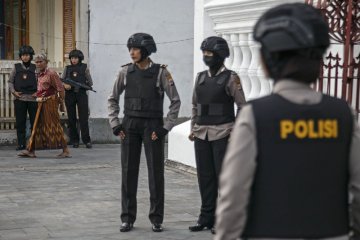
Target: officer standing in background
x=144 y=83
x=79 y=72
x=293 y=156
x=23 y=85
x=215 y=92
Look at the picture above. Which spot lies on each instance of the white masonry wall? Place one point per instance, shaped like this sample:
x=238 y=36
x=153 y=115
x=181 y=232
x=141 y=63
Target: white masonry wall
x=111 y=24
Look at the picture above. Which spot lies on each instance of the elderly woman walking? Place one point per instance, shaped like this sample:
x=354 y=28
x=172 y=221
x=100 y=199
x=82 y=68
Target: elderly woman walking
x=47 y=132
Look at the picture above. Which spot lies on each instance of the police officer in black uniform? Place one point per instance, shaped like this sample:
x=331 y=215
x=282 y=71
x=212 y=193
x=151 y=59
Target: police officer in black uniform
x=79 y=72
x=215 y=92
x=145 y=84
x=23 y=85
x=293 y=156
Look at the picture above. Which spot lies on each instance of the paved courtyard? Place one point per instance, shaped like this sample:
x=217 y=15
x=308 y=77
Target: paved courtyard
x=79 y=198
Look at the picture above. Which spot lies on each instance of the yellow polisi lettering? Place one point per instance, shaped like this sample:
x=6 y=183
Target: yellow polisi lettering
x=312 y=132
x=286 y=127
x=301 y=129
x=309 y=129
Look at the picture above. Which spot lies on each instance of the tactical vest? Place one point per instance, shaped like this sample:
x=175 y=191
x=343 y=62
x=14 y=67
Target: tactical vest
x=77 y=72
x=25 y=79
x=300 y=189
x=214 y=105
x=143 y=97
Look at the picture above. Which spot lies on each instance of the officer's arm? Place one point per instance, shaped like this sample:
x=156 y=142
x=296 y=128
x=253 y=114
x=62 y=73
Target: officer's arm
x=173 y=95
x=355 y=178
x=114 y=98
x=236 y=177
x=235 y=90
x=89 y=80
x=12 y=80
x=194 y=104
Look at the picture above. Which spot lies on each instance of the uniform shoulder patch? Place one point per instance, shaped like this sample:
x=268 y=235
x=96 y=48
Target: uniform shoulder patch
x=126 y=64
x=236 y=79
x=169 y=78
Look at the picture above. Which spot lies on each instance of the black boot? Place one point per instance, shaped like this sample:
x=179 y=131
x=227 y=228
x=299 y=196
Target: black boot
x=20 y=147
x=198 y=227
x=156 y=227
x=126 y=227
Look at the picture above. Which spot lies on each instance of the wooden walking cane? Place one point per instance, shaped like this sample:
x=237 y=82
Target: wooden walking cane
x=30 y=147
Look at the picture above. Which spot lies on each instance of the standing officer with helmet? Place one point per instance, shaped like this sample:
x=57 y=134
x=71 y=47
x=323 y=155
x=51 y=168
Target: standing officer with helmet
x=78 y=72
x=144 y=83
x=293 y=156
x=23 y=85
x=215 y=92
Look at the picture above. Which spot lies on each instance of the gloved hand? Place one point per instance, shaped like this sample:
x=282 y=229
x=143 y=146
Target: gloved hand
x=117 y=129
x=161 y=132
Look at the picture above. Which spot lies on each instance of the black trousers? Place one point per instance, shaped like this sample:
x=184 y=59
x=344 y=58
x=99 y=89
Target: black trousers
x=138 y=131
x=22 y=108
x=79 y=99
x=209 y=157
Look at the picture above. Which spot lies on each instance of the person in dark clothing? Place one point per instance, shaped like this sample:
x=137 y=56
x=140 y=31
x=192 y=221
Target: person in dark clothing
x=293 y=156
x=79 y=72
x=215 y=93
x=23 y=85
x=145 y=83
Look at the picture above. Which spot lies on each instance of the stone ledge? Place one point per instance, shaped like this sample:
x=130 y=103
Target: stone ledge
x=176 y=166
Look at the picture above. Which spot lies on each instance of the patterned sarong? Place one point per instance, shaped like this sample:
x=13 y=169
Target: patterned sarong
x=47 y=131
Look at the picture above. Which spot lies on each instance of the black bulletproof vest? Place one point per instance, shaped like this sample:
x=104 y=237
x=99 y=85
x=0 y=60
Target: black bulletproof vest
x=214 y=105
x=25 y=79
x=143 y=97
x=300 y=189
x=76 y=72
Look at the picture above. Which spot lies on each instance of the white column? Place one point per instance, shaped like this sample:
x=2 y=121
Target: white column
x=254 y=64
x=246 y=58
x=230 y=59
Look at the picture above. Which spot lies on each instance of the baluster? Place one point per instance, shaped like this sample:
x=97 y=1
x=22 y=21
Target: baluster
x=246 y=57
x=253 y=68
x=265 y=87
x=230 y=59
x=237 y=58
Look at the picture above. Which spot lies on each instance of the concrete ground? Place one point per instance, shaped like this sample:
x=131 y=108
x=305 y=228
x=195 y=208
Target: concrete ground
x=79 y=198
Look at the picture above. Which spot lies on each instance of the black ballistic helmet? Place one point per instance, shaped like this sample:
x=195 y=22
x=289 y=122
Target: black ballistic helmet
x=26 y=49
x=217 y=45
x=291 y=31
x=76 y=53
x=142 y=41
x=292 y=27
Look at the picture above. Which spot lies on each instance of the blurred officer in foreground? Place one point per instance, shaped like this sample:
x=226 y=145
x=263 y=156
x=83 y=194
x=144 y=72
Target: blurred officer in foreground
x=293 y=156
x=145 y=83
x=213 y=116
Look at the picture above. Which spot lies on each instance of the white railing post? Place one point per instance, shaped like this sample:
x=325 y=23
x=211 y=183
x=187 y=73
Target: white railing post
x=246 y=58
x=253 y=68
x=229 y=61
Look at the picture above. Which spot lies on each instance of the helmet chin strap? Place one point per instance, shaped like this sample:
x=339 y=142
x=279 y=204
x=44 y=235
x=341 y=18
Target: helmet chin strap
x=144 y=55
